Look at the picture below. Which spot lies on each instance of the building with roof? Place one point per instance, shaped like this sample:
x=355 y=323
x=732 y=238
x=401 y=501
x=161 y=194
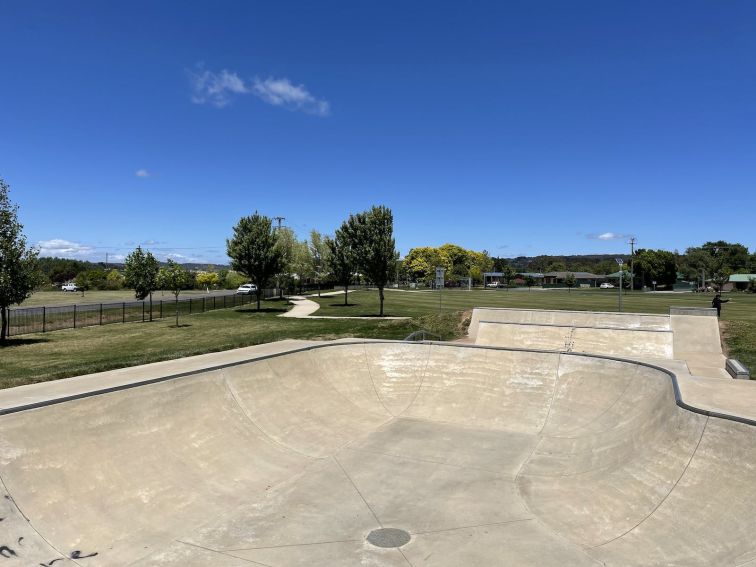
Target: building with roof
x=582 y=279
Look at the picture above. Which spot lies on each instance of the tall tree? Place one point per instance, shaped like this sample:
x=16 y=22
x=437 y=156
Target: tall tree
x=319 y=252
x=19 y=271
x=174 y=277
x=141 y=273
x=342 y=260
x=372 y=236
x=570 y=281
x=253 y=250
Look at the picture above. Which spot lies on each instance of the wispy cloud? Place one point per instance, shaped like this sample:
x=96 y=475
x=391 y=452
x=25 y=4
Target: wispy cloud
x=63 y=248
x=215 y=88
x=609 y=236
x=284 y=93
x=219 y=90
x=142 y=173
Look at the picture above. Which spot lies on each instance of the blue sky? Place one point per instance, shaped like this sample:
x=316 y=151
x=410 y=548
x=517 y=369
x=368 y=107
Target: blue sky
x=522 y=128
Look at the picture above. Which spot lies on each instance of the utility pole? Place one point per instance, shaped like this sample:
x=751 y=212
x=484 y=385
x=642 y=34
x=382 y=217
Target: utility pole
x=620 y=261
x=279 y=220
x=632 y=263
x=106 y=260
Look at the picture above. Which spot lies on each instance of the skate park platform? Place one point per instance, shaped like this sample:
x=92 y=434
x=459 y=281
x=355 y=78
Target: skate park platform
x=385 y=453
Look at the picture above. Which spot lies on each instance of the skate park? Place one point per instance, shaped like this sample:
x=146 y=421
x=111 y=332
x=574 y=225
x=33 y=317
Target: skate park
x=546 y=438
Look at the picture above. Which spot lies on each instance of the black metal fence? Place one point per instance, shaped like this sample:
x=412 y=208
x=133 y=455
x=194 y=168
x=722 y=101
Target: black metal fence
x=43 y=319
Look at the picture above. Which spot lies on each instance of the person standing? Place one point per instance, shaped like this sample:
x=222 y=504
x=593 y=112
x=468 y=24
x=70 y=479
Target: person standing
x=717 y=303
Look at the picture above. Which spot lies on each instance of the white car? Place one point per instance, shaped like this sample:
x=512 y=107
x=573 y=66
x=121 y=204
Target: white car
x=246 y=289
x=606 y=285
x=69 y=287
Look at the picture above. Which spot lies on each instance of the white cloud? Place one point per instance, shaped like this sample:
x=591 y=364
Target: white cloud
x=142 y=173
x=609 y=236
x=64 y=248
x=215 y=88
x=219 y=89
x=284 y=93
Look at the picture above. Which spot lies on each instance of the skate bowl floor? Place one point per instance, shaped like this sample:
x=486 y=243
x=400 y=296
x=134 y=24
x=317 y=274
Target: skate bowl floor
x=382 y=453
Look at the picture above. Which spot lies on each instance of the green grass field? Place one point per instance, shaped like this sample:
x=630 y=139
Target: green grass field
x=49 y=356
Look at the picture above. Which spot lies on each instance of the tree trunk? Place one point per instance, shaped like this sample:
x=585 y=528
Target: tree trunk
x=177 y=309
x=4 y=324
x=380 y=295
x=258 y=297
x=318 y=288
x=346 y=294
x=150 y=307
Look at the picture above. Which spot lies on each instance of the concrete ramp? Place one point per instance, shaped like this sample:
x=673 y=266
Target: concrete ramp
x=469 y=455
x=632 y=343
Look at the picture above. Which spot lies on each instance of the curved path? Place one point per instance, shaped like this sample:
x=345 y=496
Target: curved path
x=304 y=309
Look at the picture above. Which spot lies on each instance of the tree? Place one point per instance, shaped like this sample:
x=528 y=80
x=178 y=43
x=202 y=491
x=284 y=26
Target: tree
x=141 y=274
x=173 y=277
x=372 y=236
x=291 y=255
x=114 y=280
x=319 y=253
x=655 y=266
x=253 y=250
x=341 y=259
x=19 y=271
x=529 y=281
x=507 y=274
x=207 y=280
x=570 y=281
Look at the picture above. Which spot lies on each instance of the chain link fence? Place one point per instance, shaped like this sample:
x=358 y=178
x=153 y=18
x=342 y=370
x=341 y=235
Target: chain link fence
x=28 y=320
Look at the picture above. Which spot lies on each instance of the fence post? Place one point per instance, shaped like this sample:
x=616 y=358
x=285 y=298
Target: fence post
x=190 y=306
x=123 y=313
x=100 y=314
x=213 y=302
x=44 y=318
x=142 y=311
x=224 y=301
x=74 y=315
x=161 y=308
x=203 y=305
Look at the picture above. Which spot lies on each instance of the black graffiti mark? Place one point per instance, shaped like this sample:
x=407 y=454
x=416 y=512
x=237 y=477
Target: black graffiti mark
x=51 y=562
x=77 y=555
x=20 y=540
x=7 y=552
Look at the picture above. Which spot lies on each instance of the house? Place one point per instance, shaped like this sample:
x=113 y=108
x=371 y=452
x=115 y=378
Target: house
x=582 y=279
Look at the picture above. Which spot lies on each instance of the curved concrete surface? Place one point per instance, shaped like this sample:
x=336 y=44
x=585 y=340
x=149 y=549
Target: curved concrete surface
x=485 y=456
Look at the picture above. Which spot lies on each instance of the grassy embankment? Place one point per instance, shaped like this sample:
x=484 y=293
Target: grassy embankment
x=40 y=357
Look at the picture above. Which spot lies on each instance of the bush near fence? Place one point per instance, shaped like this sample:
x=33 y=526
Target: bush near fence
x=28 y=320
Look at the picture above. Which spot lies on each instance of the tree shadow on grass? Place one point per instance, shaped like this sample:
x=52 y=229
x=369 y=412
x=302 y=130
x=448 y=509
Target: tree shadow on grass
x=11 y=342
x=180 y=325
x=342 y=305
x=252 y=311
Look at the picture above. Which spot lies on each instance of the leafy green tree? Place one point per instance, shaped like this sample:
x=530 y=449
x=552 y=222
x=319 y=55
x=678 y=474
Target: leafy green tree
x=234 y=279
x=174 y=278
x=19 y=271
x=207 y=280
x=570 y=281
x=342 y=260
x=141 y=274
x=319 y=252
x=253 y=250
x=372 y=236
x=529 y=281
x=114 y=280
x=294 y=265
x=83 y=281
x=508 y=274
x=655 y=266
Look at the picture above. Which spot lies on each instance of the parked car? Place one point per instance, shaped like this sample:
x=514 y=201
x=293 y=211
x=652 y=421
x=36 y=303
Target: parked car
x=69 y=287
x=606 y=285
x=246 y=289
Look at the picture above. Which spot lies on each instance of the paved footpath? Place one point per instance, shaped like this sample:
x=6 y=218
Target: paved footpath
x=304 y=309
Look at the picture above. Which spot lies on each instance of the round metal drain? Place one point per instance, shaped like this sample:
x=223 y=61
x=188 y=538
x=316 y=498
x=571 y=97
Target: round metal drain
x=388 y=537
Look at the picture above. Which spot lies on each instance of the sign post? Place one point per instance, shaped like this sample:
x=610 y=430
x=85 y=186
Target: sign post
x=439 y=283
x=620 y=262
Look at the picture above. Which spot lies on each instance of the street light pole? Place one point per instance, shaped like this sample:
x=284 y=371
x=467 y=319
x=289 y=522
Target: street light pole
x=620 y=262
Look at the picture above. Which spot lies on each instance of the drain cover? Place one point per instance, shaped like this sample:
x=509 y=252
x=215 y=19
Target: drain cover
x=388 y=537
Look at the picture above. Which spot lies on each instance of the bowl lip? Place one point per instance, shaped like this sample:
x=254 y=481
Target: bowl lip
x=679 y=401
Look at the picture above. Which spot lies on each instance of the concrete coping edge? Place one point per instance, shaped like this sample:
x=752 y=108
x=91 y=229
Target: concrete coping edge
x=82 y=395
